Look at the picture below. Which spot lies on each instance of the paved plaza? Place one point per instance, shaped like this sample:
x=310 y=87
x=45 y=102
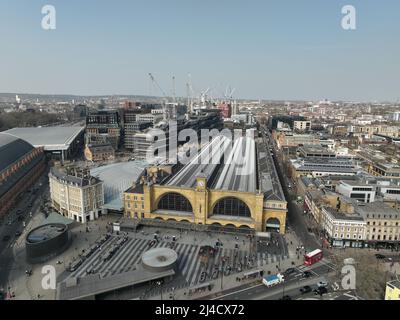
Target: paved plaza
x=235 y=256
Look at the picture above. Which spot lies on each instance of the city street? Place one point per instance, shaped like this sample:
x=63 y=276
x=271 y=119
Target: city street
x=291 y=286
x=29 y=202
x=295 y=219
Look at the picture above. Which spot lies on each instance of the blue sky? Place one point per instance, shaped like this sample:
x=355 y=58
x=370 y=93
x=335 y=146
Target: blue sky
x=280 y=49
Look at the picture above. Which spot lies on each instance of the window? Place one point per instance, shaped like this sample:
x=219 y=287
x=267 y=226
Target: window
x=231 y=207
x=175 y=202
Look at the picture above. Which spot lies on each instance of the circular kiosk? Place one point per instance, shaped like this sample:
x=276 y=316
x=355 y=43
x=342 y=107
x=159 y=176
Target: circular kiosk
x=159 y=259
x=46 y=242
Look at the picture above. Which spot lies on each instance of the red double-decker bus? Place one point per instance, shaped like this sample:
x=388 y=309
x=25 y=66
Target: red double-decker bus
x=313 y=257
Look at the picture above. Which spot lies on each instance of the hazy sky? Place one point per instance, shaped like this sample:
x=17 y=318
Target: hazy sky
x=281 y=49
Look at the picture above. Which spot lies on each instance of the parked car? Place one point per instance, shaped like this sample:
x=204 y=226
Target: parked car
x=322 y=284
x=307 y=274
x=290 y=271
x=321 y=291
x=380 y=256
x=305 y=289
x=286 y=298
x=18 y=233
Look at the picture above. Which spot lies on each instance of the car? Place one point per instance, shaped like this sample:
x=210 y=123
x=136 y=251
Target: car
x=290 y=271
x=19 y=211
x=307 y=274
x=321 y=291
x=18 y=233
x=380 y=256
x=286 y=298
x=305 y=289
x=322 y=284
x=6 y=238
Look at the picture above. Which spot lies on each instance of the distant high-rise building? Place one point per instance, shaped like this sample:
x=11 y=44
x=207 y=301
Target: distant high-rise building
x=105 y=127
x=396 y=116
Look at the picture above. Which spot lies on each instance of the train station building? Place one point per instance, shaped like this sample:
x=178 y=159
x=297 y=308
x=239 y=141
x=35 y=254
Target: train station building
x=227 y=191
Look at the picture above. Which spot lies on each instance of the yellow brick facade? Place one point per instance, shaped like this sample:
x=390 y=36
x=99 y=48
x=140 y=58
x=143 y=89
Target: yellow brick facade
x=203 y=201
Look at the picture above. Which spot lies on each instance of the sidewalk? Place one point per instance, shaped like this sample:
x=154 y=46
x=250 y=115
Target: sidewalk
x=30 y=288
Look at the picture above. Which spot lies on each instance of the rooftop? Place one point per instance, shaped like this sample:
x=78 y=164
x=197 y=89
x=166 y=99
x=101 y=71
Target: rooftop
x=45 y=232
x=117 y=178
x=80 y=288
x=79 y=181
x=12 y=149
x=394 y=283
x=378 y=210
x=343 y=216
x=51 y=138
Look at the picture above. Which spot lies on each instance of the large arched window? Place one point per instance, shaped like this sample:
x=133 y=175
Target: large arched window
x=232 y=207
x=175 y=202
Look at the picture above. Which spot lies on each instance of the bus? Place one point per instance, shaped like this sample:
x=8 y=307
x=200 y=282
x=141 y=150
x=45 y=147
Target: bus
x=313 y=257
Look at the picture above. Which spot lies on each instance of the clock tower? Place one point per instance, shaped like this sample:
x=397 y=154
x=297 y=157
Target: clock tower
x=201 y=183
x=201 y=201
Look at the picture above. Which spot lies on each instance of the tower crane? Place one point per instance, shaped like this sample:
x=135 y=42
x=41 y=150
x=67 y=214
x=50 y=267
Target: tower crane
x=165 y=100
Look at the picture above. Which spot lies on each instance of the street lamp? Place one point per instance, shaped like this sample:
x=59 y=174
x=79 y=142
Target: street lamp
x=159 y=283
x=222 y=273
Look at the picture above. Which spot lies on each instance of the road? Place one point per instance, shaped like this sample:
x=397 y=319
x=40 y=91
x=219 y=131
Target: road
x=295 y=217
x=6 y=247
x=290 y=287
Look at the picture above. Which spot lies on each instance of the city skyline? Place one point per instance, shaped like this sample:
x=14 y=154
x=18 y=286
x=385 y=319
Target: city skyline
x=268 y=50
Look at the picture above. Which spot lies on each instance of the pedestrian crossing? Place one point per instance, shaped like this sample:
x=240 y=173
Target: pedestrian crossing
x=190 y=264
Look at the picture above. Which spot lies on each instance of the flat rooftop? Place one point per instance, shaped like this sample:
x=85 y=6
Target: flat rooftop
x=344 y=216
x=45 y=232
x=377 y=210
x=88 y=287
x=51 y=138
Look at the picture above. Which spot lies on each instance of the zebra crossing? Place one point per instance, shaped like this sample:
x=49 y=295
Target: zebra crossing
x=189 y=262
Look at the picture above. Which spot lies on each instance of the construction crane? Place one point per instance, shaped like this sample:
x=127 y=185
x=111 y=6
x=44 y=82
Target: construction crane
x=173 y=89
x=165 y=100
x=190 y=93
x=157 y=85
